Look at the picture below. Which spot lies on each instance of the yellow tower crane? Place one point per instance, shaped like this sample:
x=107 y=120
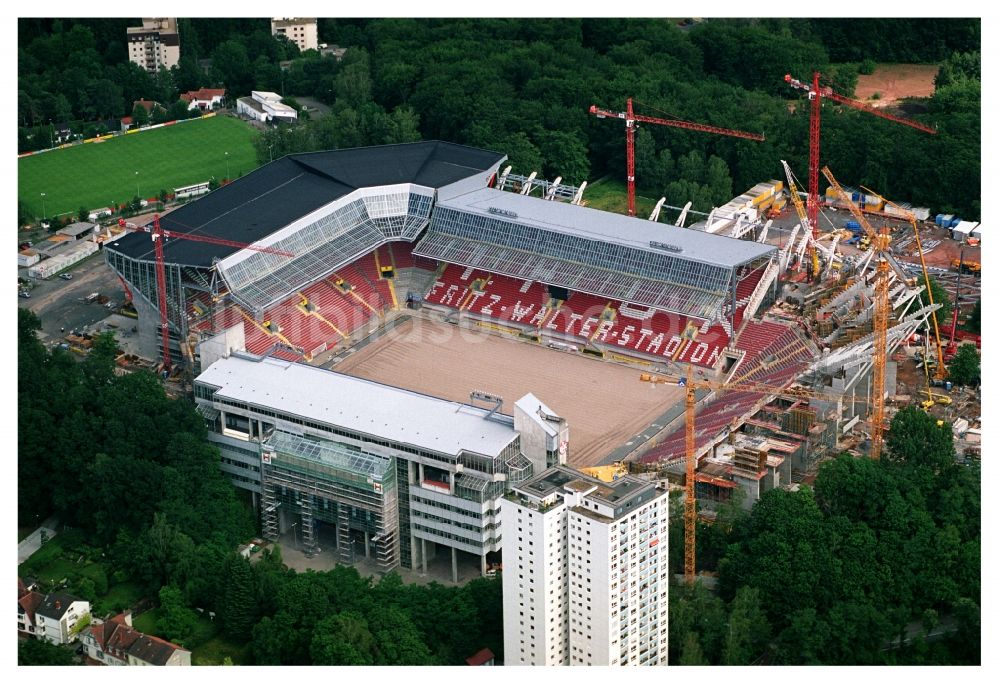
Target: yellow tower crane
x=940 y=372
x=880 y=244
x=690 y=386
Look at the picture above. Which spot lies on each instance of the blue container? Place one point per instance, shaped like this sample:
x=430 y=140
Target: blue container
x=947 y=385
x=853 y=225
x=954 y=222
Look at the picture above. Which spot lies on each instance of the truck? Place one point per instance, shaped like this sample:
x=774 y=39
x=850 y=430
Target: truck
x=966 y=266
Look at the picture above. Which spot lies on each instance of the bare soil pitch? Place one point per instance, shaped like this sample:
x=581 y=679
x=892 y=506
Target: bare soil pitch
x=604 y=403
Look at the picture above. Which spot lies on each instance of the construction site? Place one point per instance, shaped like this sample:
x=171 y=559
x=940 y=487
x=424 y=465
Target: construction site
x=727 y=352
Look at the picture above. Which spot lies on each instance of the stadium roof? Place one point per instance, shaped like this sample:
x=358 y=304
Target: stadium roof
x=609 y=227
x=372 y=408
x=286 y=189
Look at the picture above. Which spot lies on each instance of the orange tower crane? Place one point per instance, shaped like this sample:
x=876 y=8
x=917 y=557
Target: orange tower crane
x=880 y=245
x=690 y=386
x=941 y=372
x=815 y=93
x=158 y=235
x=631 y=119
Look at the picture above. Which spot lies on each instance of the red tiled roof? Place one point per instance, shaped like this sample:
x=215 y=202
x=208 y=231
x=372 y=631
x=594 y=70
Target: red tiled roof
x=483 y=656
x=146 y=104
x=203 y=94
x=21 y=589
x=30 y=602
x=127 y=120
x=118 y=639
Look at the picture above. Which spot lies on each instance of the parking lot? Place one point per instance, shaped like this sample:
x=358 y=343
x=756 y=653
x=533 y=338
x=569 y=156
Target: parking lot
x=59 y=303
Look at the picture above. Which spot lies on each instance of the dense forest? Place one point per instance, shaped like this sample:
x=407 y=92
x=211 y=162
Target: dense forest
x=131 y=472
x=523 y=86
x=877 y=563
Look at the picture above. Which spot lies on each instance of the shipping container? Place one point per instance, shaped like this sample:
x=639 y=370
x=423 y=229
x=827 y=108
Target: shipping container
x=28 y=257
x=50 y=267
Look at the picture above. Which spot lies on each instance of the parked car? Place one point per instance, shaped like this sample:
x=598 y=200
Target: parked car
x=66 y=276
x=24 y=293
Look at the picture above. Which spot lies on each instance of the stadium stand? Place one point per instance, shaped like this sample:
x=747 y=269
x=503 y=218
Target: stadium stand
x=582 y=318
x=775 y=355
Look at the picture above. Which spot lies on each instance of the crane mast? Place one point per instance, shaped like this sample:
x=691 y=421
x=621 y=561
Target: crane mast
x=158 y=235
x=690 y=386
x=631 y=118
x=815 y=92
x=940 y=372
x=880 y=327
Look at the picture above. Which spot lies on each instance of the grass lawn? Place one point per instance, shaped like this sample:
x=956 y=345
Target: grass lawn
x=146 y=622
x=214 y=651
x=609 y=194
x=95 y=175
x=118 y=597
x=57 y=570
x=210 y=648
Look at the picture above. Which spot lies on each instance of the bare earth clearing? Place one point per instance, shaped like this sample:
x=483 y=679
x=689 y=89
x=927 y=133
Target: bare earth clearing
x=605 y=404
x=897 y=81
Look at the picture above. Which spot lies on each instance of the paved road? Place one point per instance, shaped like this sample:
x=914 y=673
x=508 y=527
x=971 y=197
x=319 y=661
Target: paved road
x=57 y=303
x=33 y=541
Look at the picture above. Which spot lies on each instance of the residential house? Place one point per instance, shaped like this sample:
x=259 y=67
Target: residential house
x=49 y=616
x=27 y=604
x=116 y=642
x=148 y=105
x=205 y=99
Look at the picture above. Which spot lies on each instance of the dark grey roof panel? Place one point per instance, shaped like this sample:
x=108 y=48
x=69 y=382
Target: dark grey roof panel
x=284 y=190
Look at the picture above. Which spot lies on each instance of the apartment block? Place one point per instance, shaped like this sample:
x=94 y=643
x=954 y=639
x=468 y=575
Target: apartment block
x=585 y=571
x=154 y=45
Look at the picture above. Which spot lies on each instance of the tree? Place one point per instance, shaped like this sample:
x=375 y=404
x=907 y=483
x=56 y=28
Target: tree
x=916 y=439
x=691 y=651
x=140 y=117
x=343 y=639
x=41 y=652
x=159 y=115
x=238 y=608
x=83 y=214
x=940 y=296
x=972 y=324
x=749 y=630
x=964 y=367
x=177 y=622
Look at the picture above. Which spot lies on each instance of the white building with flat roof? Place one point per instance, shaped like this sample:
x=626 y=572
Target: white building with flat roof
x=383 y=473
x=265 y=106
x=585 y=571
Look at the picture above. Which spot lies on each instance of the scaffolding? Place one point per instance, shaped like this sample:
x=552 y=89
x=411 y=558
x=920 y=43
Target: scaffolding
x=318 y=480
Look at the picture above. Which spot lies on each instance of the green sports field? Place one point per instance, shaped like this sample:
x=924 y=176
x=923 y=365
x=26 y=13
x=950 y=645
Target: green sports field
x=96 y=175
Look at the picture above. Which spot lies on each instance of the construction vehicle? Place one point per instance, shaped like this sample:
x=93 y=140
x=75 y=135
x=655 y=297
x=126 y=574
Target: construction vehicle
x=864 y=243
x=631 y=119
x=966 y=266
x=607 y=473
